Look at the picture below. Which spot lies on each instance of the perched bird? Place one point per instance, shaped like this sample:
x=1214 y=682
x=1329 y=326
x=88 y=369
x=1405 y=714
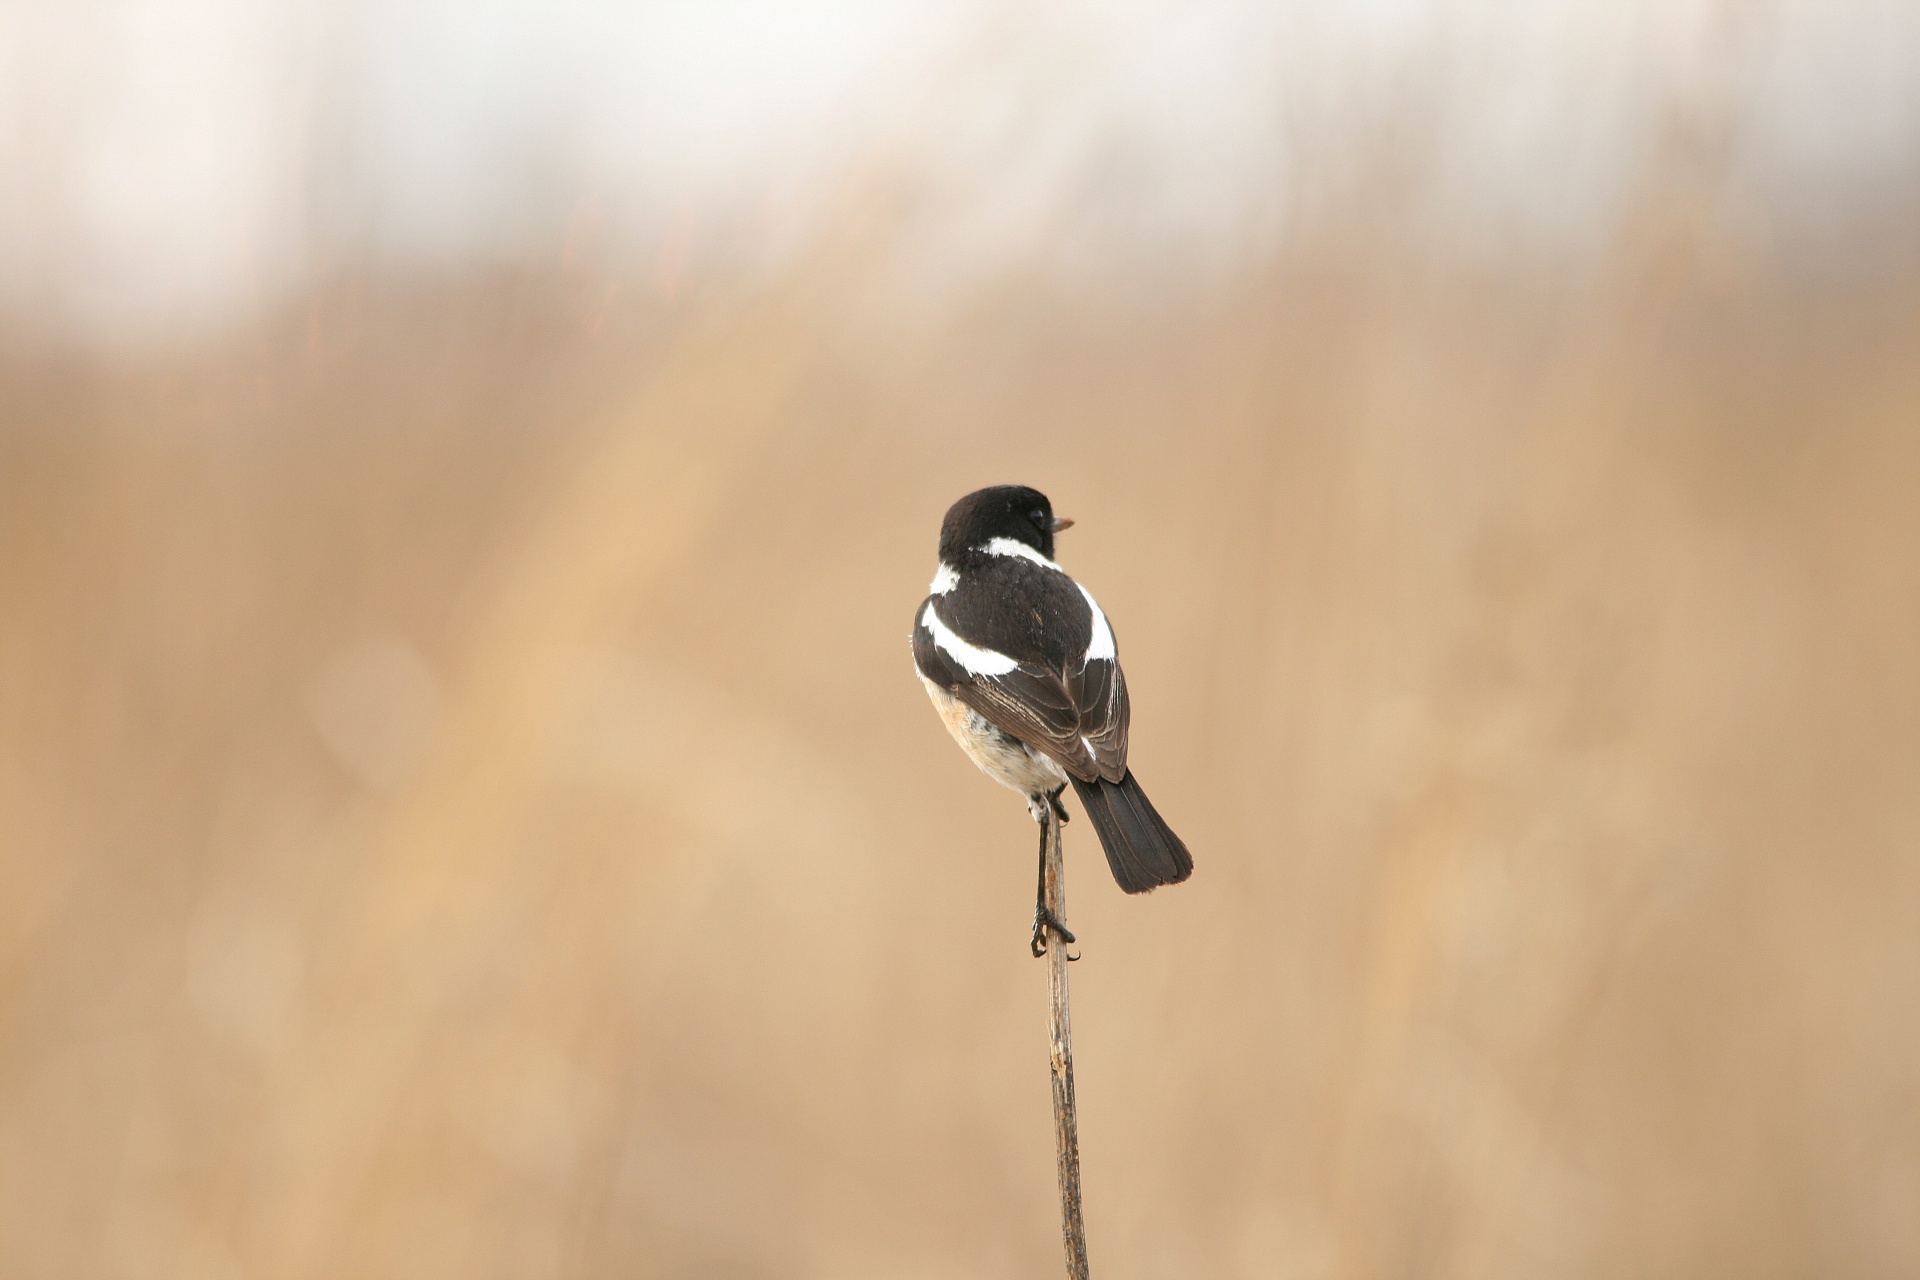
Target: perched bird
x=1021 y=664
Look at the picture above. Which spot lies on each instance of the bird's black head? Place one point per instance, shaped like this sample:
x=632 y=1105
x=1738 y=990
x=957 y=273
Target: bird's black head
x=1004 y=511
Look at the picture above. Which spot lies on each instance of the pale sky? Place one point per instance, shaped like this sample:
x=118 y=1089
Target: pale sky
x=177 y=165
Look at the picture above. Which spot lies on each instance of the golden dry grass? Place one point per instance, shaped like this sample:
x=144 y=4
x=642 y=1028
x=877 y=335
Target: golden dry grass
x=468 y=810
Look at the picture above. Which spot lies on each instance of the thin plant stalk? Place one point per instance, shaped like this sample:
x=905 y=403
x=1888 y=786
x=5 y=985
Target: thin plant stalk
x=1066 y=1127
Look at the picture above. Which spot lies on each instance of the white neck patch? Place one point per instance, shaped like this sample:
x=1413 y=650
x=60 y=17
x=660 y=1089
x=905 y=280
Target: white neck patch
x=945 y=578
x=1013 y=547
x=1101 y=645
x=974 y=660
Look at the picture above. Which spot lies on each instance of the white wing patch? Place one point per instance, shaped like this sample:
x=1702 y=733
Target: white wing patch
x=945 y=579
x=1101 y=646
x=1014 y=547
x=974 y=660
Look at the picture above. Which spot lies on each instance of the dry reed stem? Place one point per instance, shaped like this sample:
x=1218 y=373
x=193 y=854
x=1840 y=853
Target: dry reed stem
x=1066 y=1126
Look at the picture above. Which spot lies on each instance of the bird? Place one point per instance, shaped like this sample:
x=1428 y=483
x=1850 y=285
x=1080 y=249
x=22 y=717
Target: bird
x=1022 y=665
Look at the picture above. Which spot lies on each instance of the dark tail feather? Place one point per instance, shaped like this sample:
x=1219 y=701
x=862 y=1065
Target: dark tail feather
x=1141 y=848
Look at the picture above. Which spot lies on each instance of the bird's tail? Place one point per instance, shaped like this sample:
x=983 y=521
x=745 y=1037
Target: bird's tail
x=1141 y=848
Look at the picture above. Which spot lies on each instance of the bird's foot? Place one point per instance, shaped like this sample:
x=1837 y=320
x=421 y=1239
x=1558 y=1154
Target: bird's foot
x=1044 y=920
x=1042 y=805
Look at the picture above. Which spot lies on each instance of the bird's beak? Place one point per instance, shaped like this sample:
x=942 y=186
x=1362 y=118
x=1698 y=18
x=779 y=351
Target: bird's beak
x=1062 y=522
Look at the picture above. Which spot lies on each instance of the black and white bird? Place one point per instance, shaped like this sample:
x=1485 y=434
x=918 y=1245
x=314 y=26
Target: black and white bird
x=1021 y=664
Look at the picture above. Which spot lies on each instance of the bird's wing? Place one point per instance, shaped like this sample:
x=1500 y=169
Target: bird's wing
x=1049 y=693
x=1078 y=718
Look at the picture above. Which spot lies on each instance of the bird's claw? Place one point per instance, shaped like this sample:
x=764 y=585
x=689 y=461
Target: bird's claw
x=1044 y=920
x=1042 y=805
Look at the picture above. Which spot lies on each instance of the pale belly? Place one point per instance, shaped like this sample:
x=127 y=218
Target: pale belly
x=1004 y=758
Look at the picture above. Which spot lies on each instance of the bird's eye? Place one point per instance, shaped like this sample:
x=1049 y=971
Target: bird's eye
x=1038 y=517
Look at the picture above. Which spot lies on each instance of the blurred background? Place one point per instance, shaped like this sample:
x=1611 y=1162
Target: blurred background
x=467 y=471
